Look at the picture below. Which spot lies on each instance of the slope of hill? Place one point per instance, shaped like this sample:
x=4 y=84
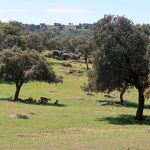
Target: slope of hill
x=79 y=122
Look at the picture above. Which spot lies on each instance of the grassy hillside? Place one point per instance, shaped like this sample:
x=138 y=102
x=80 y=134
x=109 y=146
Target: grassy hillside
x=78 y=123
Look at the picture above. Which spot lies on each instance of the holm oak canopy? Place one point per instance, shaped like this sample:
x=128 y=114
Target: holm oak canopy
x=121 y=57
x=22 y=66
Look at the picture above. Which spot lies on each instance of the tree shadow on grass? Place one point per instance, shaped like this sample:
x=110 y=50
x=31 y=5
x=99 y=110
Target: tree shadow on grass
x=24 y=101
x=108 y=103
x=128 y=104
x=125 y=120
x=134 y=105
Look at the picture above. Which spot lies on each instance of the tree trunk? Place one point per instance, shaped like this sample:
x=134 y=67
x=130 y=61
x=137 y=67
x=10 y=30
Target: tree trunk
x=86 y=62
x=123 y=90
x=18 y=87
x=121 y=96
x=139 y=113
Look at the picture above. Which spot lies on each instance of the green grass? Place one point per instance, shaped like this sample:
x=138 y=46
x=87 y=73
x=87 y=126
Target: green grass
x=77 y=124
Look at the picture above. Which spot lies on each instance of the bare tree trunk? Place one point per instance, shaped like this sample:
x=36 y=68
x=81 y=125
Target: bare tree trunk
x=121 y=96
x=18 y=87
x=87 y=66
x=122 y=91
x=86 y=62
x=139 y=113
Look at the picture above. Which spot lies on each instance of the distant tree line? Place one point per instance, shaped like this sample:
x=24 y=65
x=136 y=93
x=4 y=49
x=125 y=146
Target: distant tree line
x=42 y=37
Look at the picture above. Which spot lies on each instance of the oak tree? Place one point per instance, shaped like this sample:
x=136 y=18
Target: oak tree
x=121 y=56
x=22 y=66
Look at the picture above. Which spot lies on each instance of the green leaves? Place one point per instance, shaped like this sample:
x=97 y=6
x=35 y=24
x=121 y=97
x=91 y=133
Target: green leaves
x=17 y=65
x=121 y=54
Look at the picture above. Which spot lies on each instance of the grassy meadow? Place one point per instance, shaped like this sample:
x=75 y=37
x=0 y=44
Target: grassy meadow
x=78 y=123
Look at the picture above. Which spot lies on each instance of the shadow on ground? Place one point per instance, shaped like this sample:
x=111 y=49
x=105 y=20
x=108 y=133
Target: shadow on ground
x=134 y=105
x=125 y=120
x=128 y=104
x=35 y=102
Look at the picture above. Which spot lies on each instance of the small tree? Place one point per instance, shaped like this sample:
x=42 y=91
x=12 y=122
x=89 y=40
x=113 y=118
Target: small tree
x=122 y=89
x=22 y=66
x=85 y=49
x=121 y=56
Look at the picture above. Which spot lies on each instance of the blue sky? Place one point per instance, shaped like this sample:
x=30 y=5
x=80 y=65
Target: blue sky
x=72 y=11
